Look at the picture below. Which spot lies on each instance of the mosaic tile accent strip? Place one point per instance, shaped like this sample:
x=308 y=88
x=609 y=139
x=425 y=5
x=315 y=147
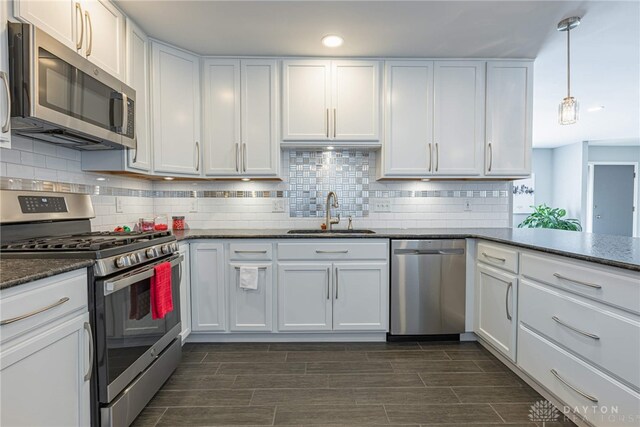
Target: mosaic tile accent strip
x=312 y=174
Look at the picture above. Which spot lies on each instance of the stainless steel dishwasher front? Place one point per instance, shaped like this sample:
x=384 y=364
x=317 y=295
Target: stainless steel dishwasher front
x=428 y=287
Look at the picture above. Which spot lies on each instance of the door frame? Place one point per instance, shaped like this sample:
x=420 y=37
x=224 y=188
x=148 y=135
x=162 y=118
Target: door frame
x=590 y=183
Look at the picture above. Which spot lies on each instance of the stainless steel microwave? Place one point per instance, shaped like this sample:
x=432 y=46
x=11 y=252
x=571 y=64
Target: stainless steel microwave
x=59 y=96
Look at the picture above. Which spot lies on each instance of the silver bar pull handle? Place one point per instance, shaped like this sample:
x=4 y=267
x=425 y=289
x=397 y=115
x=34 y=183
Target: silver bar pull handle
x=437 y=157
x=430 y=157
x=336 y=282
x=238 y=157
x=574 y=388
x=506 y=301
x=326 y=123
x=579 y=282
x=335 y=125
x=566 y=325
x=244 y=157
x=197 y=156
x=332 y=252
x=490 y=156
x=89 y=33
x=5 y=79
x=249 y=252
x=81 y=38
x=34 y=312
x=87 y=327
x=328 y=283
x=486 y=255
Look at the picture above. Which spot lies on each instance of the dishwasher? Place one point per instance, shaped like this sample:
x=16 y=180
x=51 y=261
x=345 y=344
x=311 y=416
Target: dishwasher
x=427 y=287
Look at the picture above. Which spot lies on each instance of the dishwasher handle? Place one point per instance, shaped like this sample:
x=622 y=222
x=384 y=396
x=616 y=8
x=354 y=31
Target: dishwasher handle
x=428 y=252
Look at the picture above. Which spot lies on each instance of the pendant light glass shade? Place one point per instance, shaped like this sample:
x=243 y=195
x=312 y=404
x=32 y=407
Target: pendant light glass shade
x=568 y=111
x=568 y=108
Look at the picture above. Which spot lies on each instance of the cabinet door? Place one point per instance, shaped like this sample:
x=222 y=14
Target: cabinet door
x=47 y=372
x=251 y=310
x=138 y=79
x=355 y=101
x=5 y=119
x=306 y=100
x=175 y=96
x=207 y=287
x=458 y=117
x=361 y=296
x=304 y=297
x=61 y=19
x=260 y=148
x=509 y=115
x=222 y=117
x=409 y=119
x=104 y=40
x=496 y=298
x=185 y=291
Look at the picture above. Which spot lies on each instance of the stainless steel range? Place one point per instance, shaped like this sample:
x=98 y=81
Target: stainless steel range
x=135 y=354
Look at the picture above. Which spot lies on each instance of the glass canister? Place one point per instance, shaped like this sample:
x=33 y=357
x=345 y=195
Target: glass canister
x=161 y=223
x=178 y=222
x=146 y=224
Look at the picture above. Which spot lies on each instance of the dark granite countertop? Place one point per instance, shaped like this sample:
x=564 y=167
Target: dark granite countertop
x=616 y=251
x=15 y=272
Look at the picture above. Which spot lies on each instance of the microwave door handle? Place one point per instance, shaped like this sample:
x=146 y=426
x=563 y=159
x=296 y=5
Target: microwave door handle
x=114 y=285
x=125 y=113
x=5 y=79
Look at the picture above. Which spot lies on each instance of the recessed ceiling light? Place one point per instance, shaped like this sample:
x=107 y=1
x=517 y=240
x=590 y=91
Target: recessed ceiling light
x=101 y=179
x=168 y=178
x=332 y=40
x=594 y=109
x=425 y=179
x=245 y=179
x=330 y=147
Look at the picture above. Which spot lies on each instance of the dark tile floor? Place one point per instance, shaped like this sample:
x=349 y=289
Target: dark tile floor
x=350 y=384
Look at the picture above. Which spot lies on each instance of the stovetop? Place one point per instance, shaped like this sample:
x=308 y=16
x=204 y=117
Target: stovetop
x=85 y=242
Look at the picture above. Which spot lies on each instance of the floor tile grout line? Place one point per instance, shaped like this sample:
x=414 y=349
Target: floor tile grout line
x=160 y=417
x=422 y=379
x=385 y=414
x=455 y=394
x=497 y=413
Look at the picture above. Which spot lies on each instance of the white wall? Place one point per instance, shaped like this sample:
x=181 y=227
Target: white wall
x=541 y=167
x=603 y=153
x=569 y=166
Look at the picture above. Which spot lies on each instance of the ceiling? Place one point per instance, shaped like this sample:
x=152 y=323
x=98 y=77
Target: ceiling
x=605 y=48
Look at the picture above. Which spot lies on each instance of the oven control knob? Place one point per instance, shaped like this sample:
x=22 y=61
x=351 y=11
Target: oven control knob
x=122 y=262
x=151 y=253
x=165 y=249
x=133 y=259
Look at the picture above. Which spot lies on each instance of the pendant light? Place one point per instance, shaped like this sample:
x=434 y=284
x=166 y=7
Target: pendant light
x=568 y=108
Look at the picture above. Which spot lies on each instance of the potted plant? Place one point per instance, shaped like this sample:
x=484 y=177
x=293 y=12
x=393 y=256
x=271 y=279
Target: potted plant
x=544 y=216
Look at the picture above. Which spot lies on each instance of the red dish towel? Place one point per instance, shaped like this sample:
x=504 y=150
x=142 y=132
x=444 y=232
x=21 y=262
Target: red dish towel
x=161 y=298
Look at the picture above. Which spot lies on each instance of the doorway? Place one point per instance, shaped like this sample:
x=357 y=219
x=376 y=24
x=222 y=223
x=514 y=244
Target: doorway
x=612 y=198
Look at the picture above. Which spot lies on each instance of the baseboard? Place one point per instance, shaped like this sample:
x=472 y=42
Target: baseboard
x=212 y=337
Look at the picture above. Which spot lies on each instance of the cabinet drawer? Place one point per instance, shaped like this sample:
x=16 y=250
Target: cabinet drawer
x=567 y=377
x=317 y=250
x=605 y=284
x=498 y=256
x=250 y=251
x=605 y=338
x=41 y=302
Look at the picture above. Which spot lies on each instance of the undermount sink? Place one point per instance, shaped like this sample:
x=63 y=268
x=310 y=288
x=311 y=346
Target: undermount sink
x=342 y=231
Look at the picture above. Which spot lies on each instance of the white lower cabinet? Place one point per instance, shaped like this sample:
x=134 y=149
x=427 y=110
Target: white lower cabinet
x=361 y=296
x=495 y=296
x=304 y=296
x=208 y=303
x=185 y=291
x=251 y=309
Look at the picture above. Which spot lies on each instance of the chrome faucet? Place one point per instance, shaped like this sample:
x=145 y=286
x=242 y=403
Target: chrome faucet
x=330 y=221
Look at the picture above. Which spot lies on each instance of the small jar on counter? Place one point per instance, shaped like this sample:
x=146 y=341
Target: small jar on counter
x=146 y=224
x=178 y=222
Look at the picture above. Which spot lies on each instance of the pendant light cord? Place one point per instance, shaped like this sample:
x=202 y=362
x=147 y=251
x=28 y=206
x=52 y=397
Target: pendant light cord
x=569 y=62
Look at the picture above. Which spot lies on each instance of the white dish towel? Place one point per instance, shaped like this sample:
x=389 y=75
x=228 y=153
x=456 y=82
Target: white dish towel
x=248 y=277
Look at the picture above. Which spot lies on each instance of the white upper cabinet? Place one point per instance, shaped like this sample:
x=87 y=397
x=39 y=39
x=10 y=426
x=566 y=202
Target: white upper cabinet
x=306 y=100
x=93 y=28
x=458 y=122
x=409 y=119
x=331 y=101
x=5 y=119
x=509 y=117
x=240 y=117
x=104 y=36
x=138 y=79
x=355 y=100
x=175 y=94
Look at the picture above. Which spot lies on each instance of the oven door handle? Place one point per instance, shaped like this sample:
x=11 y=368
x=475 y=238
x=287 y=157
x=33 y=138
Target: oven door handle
x=121 y=282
